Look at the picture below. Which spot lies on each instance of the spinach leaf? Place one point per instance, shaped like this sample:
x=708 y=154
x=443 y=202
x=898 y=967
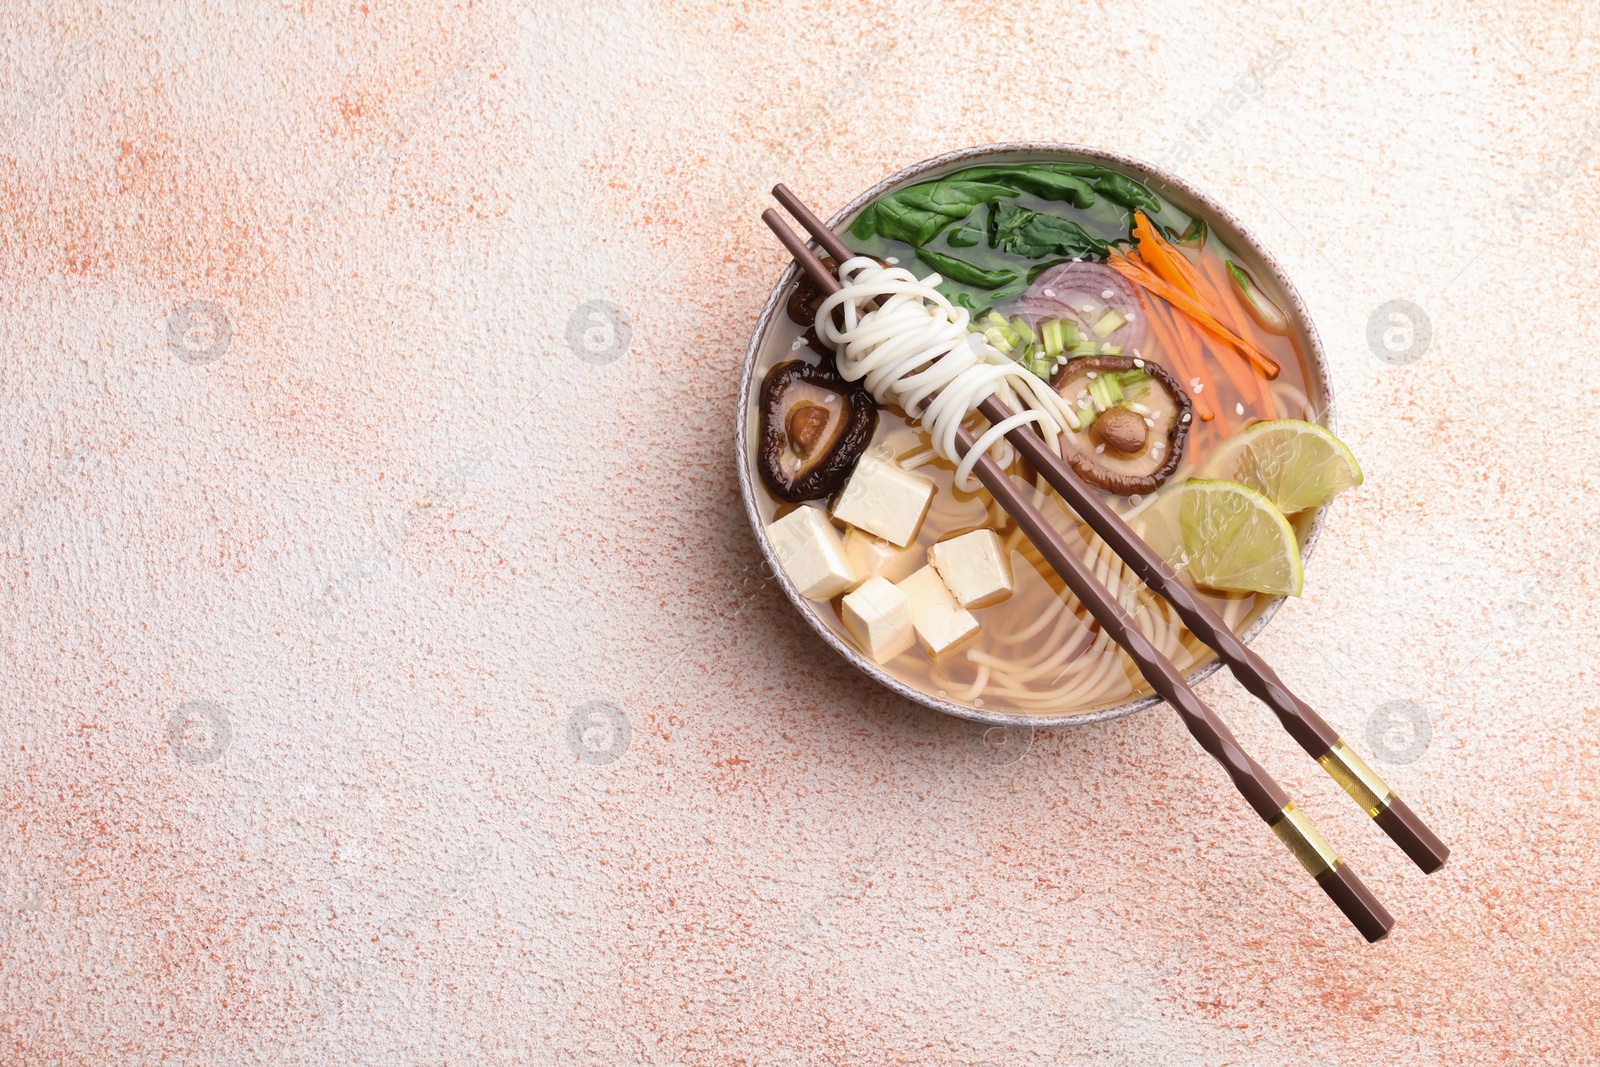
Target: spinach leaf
x=866 y=224
x=1126 y=192
x=916 y=215
x=1033 y=235
x=1054 y=186
x=1038 y=179
x=967 y=235
x=959 y=270
x=950 y=197
x=1194 y=236
x=1109 y=183
x=895 y=220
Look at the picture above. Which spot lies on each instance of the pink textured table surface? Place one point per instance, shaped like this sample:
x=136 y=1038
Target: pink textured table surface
x=388 y=674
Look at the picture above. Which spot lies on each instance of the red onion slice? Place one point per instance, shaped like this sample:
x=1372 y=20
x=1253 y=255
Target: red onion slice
x=1084 y=292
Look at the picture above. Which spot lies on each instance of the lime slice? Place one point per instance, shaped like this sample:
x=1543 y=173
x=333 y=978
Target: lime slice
x=1296 y=465
x=1236 y=540
x=1156 y=523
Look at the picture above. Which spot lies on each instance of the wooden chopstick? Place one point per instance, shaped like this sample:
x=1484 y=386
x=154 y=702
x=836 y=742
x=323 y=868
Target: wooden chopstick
x=1313 y=734
x=1264 y=795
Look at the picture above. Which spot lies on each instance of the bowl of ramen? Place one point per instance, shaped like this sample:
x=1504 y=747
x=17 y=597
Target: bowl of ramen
x=1152 y=342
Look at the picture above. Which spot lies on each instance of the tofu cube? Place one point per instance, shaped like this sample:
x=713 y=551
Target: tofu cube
x=878 y=616
x=882 y=499
x=870 y=555
x=811 y=553
x=940 y=623
x=975 y=568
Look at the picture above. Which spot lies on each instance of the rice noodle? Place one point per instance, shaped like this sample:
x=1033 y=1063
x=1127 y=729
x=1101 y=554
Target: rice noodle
x=913 y=347
x=908 y=345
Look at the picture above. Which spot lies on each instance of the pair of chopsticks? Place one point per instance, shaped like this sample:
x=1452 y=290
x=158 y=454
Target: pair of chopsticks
x=1313 y=734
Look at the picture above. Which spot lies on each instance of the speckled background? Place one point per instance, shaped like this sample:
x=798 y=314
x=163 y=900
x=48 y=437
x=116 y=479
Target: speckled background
x=388 y=674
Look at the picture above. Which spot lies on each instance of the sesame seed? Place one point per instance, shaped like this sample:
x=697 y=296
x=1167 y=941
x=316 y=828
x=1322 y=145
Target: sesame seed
x=1099 y=448
x=1049 y=292
x=1198 y=389
x=1136 y=500
x=1185 y=416
x=1238 y=409
x=891 y=259
x=1107 y=294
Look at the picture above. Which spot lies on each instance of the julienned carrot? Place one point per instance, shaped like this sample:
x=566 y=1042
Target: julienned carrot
x=1252 y=388
x=1179 y=353
x=1142 y=275
x=1161 y=257
x=1172 y=266
x=1216 y=276
x=1241 y=376
x=1175 y=268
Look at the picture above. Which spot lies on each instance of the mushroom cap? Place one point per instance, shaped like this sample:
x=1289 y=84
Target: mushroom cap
x=807 y=298
x=799 y=454
x=1107 y=452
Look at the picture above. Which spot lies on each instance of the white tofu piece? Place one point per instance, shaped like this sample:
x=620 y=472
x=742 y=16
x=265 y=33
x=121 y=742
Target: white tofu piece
x=882 y=499
x=941 y=624
x=870 y=555
x=878 y=616
x=811 y=553
x=975 y=568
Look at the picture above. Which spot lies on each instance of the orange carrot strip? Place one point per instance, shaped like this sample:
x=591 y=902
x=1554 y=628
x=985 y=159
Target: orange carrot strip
x=1142 y=275
x=1182 y=357
x=1252 y=389
x=1161 y=257
x=1172 y=266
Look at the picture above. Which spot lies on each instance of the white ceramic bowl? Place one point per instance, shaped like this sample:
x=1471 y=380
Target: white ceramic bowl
x=1187 y=198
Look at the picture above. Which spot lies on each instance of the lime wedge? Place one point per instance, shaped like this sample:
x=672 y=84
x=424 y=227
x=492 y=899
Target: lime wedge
x=1236 y=540
x=1296 y=465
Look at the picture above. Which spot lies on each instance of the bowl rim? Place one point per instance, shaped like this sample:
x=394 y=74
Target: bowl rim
x=1159 y=179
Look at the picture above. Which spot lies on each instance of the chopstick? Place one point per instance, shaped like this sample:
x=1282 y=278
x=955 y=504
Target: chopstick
x=1264 y=795
x=1310 y=731
x=1313 y=734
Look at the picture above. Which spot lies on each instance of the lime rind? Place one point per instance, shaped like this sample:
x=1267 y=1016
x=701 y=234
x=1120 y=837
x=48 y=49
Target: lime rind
x=1236 y=539
x=1297 y=465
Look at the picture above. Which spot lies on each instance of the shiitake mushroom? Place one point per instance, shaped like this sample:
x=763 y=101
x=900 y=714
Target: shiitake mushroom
x=807 y=298
x=1134 y=443
x=814 y=425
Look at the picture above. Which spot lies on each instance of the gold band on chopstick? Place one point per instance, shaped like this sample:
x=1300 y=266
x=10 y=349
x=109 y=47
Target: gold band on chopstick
x=1309 y=847
x=1356 y=778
